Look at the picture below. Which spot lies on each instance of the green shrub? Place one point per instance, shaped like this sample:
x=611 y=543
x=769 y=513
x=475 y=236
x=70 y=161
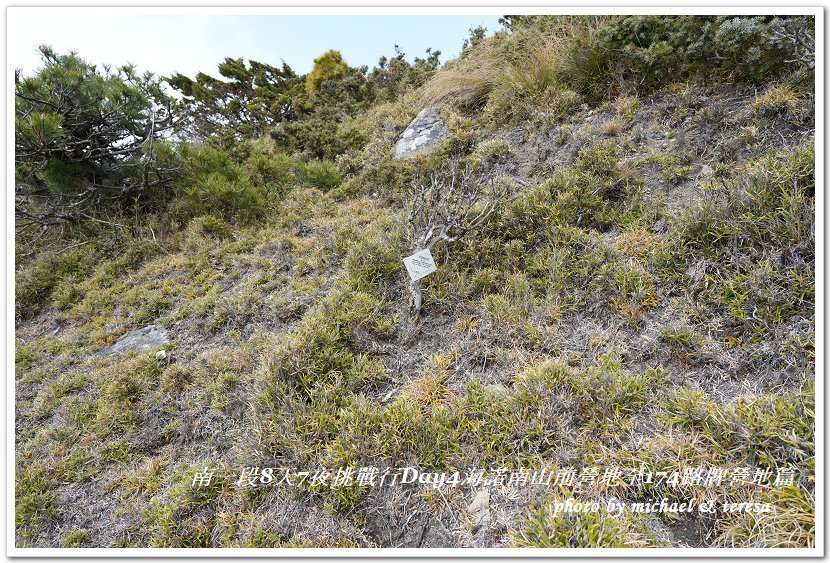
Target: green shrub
x=214 y=184
x=50 y=274
x=322 y=175
x=234 y=198
x=321 y=135
x=652 y=50
x=274 y=172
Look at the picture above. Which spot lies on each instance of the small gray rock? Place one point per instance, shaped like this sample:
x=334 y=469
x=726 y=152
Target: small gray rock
x=425 y=131
x=481 y=522
x=52 y=330
x=480 y=503
x=498 y=389
x=479 y=510
x=139 y=340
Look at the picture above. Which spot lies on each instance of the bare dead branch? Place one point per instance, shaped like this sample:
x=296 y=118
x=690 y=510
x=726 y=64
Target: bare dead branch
x=448 y=204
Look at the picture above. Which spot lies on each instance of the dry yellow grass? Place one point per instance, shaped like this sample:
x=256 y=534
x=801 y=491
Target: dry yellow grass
x=522 y=69
x=611 y=128
x=773 y=100
x=636 y=241
x=429 y=391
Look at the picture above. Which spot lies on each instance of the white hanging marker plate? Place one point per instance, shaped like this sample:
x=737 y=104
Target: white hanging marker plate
x=420 y=264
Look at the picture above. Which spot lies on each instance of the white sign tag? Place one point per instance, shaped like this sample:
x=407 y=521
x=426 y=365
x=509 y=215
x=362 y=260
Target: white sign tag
x=420 y=264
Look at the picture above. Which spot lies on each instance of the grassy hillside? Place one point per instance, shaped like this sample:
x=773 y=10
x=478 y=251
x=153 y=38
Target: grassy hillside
x=644 y=298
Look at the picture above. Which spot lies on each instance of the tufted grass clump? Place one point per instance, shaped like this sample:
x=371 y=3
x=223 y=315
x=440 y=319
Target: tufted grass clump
x=126 y=383
x=769 y=430
x=50 y=274
x=310 y=377
x=34 y=498
x=543 y=529
x=607 y=390
x=756 y=230
x=185 y=515
x=513 y=75
x=771 y=203
x=792 y=524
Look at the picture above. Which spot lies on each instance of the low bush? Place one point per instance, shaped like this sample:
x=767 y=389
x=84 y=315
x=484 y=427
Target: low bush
x=552 y=63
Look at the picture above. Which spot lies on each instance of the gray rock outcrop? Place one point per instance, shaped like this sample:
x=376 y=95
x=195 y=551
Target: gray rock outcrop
x=139 y=340
x=425 y=131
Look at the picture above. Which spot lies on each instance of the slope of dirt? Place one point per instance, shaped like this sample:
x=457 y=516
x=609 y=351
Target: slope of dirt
x=599 y=342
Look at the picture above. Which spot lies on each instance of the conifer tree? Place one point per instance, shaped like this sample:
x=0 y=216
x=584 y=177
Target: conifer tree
x=246 y=102
x=84 y=137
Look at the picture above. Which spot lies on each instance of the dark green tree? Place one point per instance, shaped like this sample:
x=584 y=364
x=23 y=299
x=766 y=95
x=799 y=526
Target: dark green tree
x=476 y=36
x=335 y=93
x=85 y=138
x=246 y=102
x=395 y=76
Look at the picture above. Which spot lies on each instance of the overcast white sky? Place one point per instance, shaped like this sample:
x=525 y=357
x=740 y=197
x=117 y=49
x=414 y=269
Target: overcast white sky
x=189 y=41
